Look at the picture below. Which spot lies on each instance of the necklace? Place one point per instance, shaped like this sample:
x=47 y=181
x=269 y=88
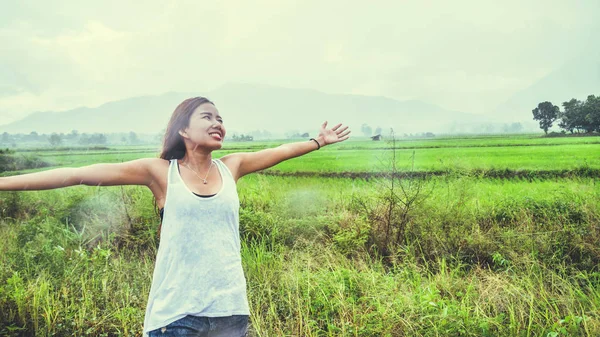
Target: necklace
x=196 y=173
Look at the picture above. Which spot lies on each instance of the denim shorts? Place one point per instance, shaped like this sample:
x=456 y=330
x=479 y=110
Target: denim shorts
x=197 y=326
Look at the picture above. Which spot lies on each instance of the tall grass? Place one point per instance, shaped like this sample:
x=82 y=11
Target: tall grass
x=479 y=257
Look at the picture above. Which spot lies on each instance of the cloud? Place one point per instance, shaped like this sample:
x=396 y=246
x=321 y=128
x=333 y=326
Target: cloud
x=95 y=51
x=462 y=55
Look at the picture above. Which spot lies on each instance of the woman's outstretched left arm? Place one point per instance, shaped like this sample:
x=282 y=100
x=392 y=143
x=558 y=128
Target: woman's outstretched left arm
x=247 y=162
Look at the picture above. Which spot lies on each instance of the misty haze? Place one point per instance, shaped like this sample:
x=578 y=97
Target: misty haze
x=300 y=168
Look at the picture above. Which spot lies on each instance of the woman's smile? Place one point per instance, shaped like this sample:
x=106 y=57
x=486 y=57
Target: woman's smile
x=216 y=135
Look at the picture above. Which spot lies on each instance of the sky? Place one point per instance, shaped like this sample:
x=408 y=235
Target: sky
x=462 y=55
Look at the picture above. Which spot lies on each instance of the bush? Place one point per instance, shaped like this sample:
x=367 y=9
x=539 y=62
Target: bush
x=256 y=226
x=350 y=233
x=10 y=162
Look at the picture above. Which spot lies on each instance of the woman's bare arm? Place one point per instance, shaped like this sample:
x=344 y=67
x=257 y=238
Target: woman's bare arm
x=247 y=162
x=135 y=172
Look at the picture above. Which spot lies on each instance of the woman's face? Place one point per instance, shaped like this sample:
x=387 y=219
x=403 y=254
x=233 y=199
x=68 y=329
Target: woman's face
x=205 y=127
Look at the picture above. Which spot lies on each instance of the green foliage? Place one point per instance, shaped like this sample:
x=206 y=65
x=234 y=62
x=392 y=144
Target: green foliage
x=360 y=158
x=366 y=130
x=491 y=249
x=10 y=206
x=257 y=225
x=546 y=113
x=242 y=138
x=581 y=116
x=351 y=232
x=55 y=139
x=96 y=138
x=592 y=112
x=11 y=162
x=553 y=211
x=19 y=205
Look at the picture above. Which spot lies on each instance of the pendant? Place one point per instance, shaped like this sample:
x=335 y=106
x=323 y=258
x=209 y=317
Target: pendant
x=205 y=182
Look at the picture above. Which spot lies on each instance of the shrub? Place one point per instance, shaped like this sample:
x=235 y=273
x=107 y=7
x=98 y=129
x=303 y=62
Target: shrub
x=11 y=162
x=256 y=226
x=350 y=233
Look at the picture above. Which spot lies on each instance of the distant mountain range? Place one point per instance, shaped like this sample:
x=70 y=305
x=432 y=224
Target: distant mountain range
x=248 y=107
x=577 y=78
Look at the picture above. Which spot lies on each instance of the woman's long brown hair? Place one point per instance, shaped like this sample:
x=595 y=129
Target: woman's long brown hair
x=173 y=146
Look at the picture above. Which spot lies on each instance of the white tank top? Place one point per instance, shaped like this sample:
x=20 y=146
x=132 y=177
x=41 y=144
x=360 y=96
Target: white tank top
x=198 y=268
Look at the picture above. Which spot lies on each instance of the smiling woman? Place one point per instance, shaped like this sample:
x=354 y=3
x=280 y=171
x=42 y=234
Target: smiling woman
x=198 y=286
x=184 y=121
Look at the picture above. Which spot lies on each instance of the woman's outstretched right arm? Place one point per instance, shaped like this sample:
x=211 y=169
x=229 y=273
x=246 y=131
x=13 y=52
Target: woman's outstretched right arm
x=135 y=172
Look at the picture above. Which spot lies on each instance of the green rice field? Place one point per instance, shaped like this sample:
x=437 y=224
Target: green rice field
x=339 y=242
x=367 y=156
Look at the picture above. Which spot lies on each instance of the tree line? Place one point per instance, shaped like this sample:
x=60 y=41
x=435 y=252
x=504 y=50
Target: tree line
x=577 y=116
x=75 y=138
x=368 y=131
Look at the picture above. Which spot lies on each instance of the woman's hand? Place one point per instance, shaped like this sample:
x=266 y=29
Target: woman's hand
x=243 y=163
x=334 y=135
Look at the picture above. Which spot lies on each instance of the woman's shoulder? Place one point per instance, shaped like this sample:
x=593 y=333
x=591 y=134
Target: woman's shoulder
x=155 y=165
x=154 y=161
x=232 y=162
x=230 y=159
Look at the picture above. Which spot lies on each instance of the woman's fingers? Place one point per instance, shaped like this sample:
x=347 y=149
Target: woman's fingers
x=341 y=133
x=341 y=130
x=345 y=134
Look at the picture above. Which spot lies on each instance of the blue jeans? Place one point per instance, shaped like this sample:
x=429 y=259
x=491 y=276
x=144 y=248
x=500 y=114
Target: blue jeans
x=196 y=326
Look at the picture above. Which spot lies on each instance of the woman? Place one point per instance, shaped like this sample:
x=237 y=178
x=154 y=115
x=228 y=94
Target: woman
x=198 y=287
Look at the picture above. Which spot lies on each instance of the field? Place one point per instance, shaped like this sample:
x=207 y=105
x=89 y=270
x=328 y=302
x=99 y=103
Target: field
x=471 y=236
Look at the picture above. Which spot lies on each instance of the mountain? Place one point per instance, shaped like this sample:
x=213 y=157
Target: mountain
x=577 y=78
x=247 y=107
x=139 y=114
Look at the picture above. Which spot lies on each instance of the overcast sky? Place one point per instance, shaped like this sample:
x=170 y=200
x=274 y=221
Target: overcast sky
x=461 y=55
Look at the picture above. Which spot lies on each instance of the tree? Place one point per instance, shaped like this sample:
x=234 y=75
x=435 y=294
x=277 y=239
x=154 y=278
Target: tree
x=591 y=112
x=242 y=138
x=581 y=116
x=99 y=138
x=96 y=138
x=298 y=135
x=546 y=113
x=159 y=137
x=488 y=128
x=55 y=139
x=516 y=127
x=366 y=130
x=133 y=138
x=572 y=118
x=73 y=135
x=33 y=136
x=512 y=128
x=260 y=134
x=378 y=130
